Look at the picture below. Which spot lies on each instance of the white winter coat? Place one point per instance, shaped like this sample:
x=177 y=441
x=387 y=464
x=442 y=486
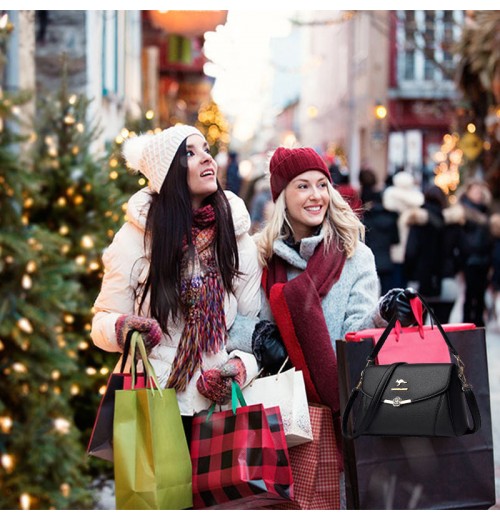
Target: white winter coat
x=402 y=197
x=126 y=268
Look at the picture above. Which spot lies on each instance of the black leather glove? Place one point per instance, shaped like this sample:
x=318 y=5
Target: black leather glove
x=398 y=301
x=268 y=347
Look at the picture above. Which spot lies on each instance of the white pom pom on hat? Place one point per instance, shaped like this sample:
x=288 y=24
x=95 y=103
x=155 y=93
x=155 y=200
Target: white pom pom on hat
x=133 y=148
x=152 y=155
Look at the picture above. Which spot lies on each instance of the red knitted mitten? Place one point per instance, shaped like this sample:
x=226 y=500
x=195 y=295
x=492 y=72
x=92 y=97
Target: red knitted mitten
x=214 y=387
x=215 y=384
x=148 y=327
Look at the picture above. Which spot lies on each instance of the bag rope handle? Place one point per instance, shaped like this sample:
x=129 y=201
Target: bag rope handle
x=137 y=341
x=236 y=398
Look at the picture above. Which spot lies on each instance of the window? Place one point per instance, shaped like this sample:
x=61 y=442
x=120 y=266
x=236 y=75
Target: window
x=429 y=39
x=113 y=31
x=410 y=36
x=424 y=43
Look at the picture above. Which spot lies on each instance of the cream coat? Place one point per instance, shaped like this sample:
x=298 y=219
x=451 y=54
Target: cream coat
x=126 y=270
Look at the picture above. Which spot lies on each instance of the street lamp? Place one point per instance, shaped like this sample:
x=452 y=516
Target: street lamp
x=380 y=111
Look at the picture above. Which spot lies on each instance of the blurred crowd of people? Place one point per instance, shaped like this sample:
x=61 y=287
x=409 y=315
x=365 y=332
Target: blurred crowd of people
x=450 y=253
x=445 y=251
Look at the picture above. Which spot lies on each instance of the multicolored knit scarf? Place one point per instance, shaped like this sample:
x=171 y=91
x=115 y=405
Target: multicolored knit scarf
x=296 y=307
x=202 y=301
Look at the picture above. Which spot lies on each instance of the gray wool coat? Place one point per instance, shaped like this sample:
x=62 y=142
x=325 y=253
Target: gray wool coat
x=352 y=303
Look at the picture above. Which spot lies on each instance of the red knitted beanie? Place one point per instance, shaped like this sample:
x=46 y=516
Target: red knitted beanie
x=287 y=163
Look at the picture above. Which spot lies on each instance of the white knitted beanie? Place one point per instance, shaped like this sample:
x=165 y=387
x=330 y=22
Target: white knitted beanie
x=153 y=154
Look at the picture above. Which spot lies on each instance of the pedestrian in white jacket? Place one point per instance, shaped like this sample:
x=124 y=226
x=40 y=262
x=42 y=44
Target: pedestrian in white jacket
x=180 y=270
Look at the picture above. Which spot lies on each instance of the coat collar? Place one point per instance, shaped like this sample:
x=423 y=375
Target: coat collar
x=306 y=250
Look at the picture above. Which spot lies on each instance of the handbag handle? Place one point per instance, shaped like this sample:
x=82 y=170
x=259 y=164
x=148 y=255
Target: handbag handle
x=135 y=341
x=413 y=294
x=126 y=351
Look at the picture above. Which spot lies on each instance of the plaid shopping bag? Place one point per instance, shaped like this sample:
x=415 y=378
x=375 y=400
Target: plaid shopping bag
x=240 y=459
x=316 y=466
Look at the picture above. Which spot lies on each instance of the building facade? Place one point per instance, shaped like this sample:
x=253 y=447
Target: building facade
x=380 y=89
x=422 y=93
x=101 y=53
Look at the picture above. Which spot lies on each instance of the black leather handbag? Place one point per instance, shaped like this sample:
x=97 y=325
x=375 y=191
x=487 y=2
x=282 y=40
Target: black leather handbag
x=417 y=400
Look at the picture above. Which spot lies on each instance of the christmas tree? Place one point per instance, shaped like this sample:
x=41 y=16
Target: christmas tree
x=214 y=126
x=42 y=464
x=80 y=199
x=83 y=197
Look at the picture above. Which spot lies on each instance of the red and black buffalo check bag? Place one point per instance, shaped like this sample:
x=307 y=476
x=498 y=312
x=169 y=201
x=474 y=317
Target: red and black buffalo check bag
x=240 y=459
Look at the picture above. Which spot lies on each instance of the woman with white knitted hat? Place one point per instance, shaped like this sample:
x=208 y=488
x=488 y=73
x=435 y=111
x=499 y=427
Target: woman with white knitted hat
x=180 y=270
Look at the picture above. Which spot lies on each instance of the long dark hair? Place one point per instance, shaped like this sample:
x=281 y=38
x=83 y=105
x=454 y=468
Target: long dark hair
x=168 y=224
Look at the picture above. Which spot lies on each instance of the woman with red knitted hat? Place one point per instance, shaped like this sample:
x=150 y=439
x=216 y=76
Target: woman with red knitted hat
x=180 y=271
x=319 y=278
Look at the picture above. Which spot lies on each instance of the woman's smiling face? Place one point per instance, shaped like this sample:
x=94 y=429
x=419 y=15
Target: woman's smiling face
x=306 y=199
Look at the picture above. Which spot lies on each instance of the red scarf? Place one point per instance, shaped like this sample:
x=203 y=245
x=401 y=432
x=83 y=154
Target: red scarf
x=296 y=307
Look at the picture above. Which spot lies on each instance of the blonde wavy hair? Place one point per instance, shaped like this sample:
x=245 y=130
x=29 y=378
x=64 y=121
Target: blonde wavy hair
x=340 y=225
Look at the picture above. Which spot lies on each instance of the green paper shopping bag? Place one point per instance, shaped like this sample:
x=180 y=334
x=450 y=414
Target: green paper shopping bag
x=151 y=456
